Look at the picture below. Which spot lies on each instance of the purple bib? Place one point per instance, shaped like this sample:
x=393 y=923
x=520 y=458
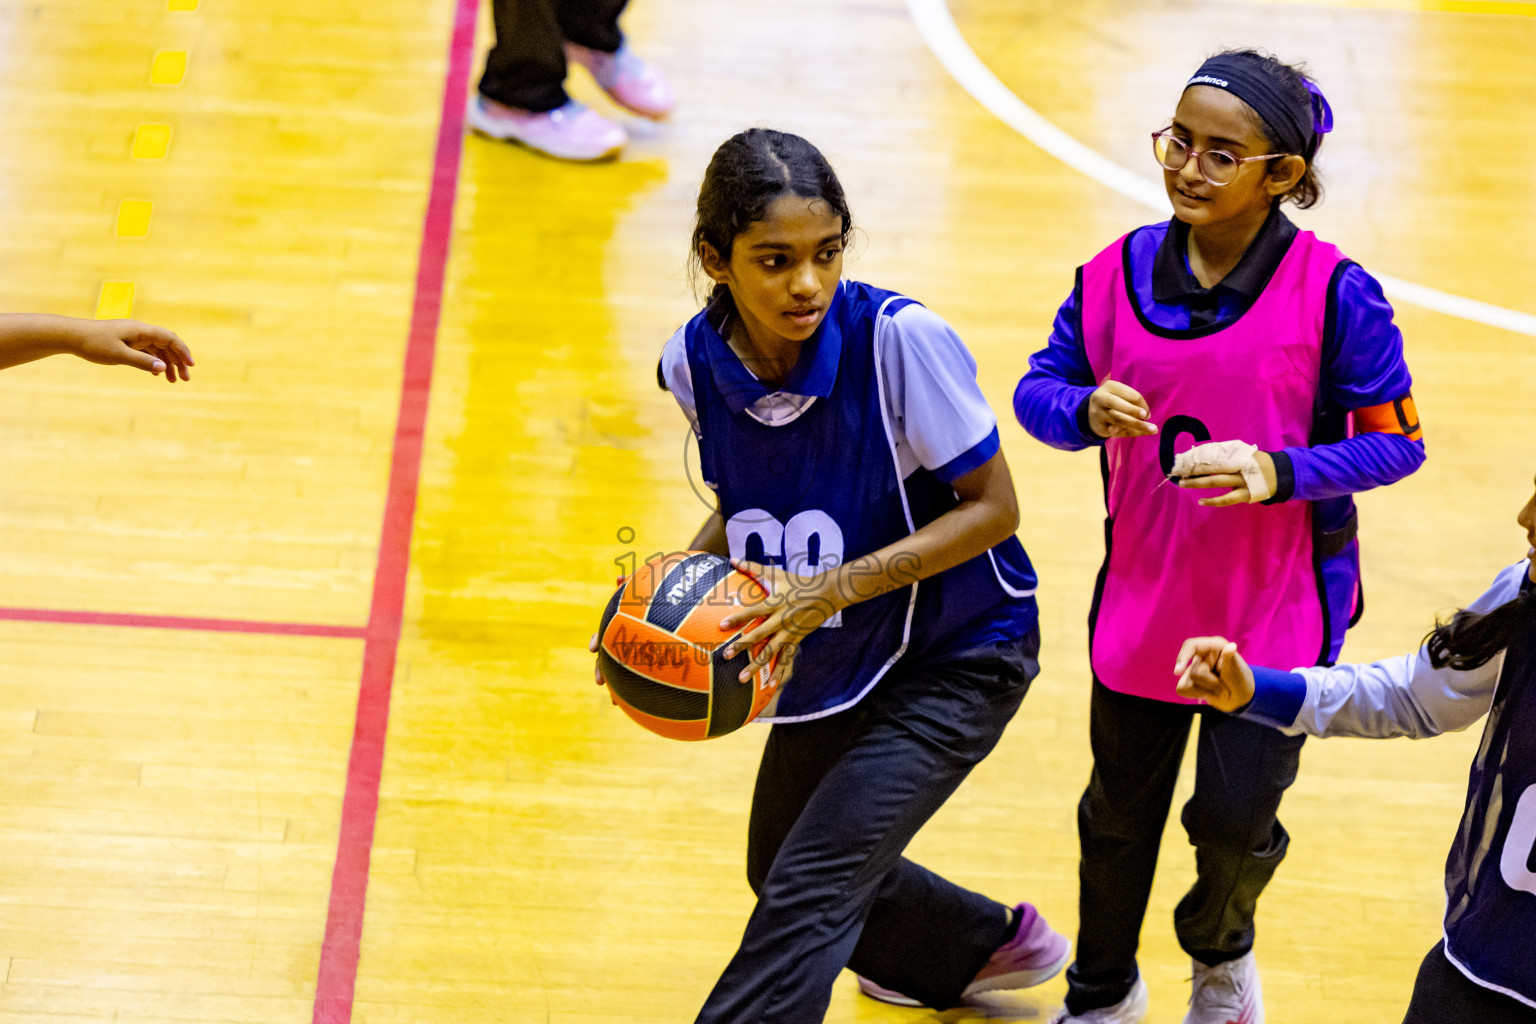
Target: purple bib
x=1175 y=569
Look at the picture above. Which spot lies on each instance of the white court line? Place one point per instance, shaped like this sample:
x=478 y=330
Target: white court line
x=938 y=30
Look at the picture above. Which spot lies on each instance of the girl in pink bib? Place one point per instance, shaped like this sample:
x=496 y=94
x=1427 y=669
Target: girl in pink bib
x=1242 y=379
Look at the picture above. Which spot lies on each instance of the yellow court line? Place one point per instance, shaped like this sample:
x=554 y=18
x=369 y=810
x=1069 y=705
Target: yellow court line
x=1515 y=8
x=133 y=218
x=168 y=68
x=181 y=5
x=116 y=301
x=151 y=141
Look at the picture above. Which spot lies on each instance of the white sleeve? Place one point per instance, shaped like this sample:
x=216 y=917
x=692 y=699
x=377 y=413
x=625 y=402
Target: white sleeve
x=936 y=406
x=678 y=377
x=1402 y=696
x=1405 y=695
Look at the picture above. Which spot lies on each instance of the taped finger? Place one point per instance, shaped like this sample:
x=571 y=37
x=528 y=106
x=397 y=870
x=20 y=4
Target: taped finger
x=1216 y=457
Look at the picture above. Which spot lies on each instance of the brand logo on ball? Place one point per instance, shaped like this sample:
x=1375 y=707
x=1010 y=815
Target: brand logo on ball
x=691 y=575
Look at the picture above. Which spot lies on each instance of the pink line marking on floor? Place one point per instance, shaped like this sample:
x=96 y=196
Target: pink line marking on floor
x=339 y=953
x=180 y=622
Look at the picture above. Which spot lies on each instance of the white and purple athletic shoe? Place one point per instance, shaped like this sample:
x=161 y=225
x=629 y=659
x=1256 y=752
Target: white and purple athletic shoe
x=571 y=132
x=1228 y=993
x=1129 y=1010
x=1035 y=954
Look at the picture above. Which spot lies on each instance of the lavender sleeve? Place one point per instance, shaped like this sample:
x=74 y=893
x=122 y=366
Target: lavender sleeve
x=1051 y=401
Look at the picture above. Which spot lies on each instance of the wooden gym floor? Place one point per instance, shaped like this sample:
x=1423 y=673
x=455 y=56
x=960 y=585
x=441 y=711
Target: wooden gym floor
x=195 y=587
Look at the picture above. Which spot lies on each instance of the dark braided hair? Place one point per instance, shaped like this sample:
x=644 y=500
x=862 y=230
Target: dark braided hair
x=748 y=172
x=1471 y=639
x=1291 y=79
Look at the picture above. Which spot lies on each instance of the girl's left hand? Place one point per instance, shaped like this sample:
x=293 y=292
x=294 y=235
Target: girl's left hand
x=1238 y=495
x=794 y=608
x=597 y=673
x=1248 y=472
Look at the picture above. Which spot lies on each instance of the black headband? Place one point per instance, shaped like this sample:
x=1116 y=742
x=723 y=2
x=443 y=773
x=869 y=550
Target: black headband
x=1299 y=131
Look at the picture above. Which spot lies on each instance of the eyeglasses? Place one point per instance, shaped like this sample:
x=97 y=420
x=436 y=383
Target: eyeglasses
x=1216 y=166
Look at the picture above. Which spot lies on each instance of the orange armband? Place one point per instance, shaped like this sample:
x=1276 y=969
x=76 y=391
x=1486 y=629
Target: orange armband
x=1396 y=417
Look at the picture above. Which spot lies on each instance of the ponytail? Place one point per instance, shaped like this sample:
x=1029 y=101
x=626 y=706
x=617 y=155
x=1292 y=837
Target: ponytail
x=1472 y=639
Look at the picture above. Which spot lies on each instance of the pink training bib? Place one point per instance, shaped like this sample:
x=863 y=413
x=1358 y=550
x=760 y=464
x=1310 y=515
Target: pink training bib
x=1175 y=569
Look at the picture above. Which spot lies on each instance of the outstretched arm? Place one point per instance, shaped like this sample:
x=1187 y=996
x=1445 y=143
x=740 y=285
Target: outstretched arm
x=1401 y=696
x=25 y=337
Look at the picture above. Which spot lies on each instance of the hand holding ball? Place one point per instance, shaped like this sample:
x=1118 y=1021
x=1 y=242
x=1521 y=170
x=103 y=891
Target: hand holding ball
x=661 y=650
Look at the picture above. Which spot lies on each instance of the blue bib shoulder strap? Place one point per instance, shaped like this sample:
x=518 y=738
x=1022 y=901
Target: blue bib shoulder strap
x=1490 y=876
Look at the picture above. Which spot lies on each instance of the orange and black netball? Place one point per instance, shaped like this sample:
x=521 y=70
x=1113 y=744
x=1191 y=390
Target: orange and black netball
x=661 y=648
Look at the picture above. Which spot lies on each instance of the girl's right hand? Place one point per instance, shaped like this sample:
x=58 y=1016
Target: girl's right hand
x=132 y=343
x=1213 y=672
x=1118 y=410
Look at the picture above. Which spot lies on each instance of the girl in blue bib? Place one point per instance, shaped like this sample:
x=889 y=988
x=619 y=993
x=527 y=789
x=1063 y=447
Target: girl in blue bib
x=857 y=472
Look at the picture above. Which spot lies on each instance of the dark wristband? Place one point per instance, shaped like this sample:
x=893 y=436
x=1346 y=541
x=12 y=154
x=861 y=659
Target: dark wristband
x=1084 y=425
x=1285 y=478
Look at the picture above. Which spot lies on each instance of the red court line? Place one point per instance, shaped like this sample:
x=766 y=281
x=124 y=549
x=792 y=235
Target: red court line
x=179 y=622
x=337 y=980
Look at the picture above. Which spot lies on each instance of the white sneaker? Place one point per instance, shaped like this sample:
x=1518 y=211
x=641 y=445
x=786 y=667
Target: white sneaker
x=1129 y=1010
x=571 y=132
x=1228 y=993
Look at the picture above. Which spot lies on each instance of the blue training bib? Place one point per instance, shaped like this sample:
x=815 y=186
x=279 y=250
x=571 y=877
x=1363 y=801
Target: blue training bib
x=824 y=489
x=1490 y=876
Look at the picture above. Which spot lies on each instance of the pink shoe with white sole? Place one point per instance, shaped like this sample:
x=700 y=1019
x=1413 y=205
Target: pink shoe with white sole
x=630 y=81
x=1036 y=953
x=571 y=132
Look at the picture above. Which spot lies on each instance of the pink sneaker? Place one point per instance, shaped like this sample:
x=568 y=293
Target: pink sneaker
x=571 y=132
x=1035 y=954
x=630 y=81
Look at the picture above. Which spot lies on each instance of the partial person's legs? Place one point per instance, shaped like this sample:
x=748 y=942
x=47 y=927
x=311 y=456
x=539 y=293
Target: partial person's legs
x=1137 y=746
x=795 y=759
x=591 y=23
x=833 y=889
x=1241 y=771
x=593 y=40
x=526 y=67
x=522 y=93
x=897 y=948
x=1443 y=995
